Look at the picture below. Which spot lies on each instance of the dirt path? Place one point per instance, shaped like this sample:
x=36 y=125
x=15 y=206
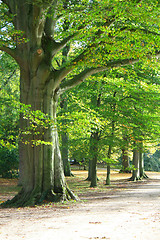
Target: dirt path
x=130 y=213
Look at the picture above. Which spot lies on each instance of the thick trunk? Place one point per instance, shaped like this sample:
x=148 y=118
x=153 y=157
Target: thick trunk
x=41 y=168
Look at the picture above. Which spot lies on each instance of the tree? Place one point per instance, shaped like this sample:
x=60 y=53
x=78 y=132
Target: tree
x=103 y=35
x=128 y=108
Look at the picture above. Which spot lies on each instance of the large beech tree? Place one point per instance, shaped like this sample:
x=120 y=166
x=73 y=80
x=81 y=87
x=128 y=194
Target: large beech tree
x=102 y=35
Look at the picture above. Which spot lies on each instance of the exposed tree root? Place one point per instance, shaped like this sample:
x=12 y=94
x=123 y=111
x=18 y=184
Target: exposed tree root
x=144 y=176
x=88 y=179
x=134 y=179
x=33 y=198
x=69 y=174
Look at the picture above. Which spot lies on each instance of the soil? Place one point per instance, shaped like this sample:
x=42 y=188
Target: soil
x=128 y=211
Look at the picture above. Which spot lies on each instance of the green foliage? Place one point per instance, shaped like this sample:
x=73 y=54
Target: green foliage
x=9 y=96
x=101 y=35
x=9 y=161
x=152 y=161
x=9 y=117
x=128 y=98
x=38 y=123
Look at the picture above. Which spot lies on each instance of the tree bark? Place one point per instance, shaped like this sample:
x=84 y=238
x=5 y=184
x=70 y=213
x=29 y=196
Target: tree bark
x=65 y=158
x=136 y=171
x=141 y=165
x=125 y=161
x=41 y=167
x=65 y=141
x=108 y=181
x=89 y=171
x=94 y=154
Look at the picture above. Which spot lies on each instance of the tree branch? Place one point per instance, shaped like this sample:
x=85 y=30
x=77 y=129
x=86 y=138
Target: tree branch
x=11 y=52
x=63 y=72
x=51 y=21
x=140 y=29
x=76 y=80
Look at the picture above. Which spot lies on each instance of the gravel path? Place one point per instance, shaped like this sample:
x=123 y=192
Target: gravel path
x=132 y=213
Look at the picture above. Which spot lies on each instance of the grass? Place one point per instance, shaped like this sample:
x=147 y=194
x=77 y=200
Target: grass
x=9 y=188
x=81 y=187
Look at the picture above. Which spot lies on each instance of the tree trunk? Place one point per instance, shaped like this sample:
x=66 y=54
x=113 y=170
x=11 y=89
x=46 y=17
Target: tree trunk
x=41 y=168
x=89 y=171
x=136 y=172
x=141 y=166
x=64 y=151
x=108 y=181
x=65 y=140
x=125 y=157
x=94 y=154
x=125 y=161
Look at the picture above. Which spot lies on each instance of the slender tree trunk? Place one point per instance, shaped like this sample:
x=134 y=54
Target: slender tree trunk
x=65 y=158
x=94 y=139
x=108 y=181
x=125 y=161
x=136 y=171
x=94 y=172
x=141 y=165
x=89 y=170
x=110 y=145
x=125 y=157
x=94 y=154
x=65 y=140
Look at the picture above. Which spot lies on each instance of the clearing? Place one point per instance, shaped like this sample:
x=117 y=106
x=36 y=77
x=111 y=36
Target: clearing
x=125 y=210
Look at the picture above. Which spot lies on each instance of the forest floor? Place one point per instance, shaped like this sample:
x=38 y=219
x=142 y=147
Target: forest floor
x=125 y=210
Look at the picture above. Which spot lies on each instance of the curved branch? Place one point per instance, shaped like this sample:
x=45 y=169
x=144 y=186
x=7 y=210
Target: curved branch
x=63 y=72
x=132 y=29
x=76 y=80
x=11 y=52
